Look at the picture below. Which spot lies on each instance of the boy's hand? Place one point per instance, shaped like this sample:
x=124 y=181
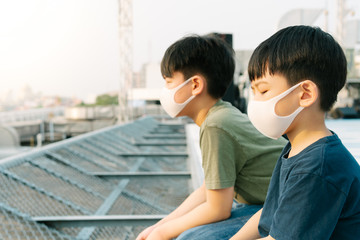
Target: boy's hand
x=250 y=229
x=145 y=233
x=156 y=234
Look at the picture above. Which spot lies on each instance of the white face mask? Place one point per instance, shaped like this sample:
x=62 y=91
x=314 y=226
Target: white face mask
x=262 y=115
x=168 y=102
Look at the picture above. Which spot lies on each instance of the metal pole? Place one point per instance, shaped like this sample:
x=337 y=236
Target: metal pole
x=126 y=42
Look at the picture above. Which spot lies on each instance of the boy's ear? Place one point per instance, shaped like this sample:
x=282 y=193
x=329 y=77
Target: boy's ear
x=198 y=84
x=309 y=93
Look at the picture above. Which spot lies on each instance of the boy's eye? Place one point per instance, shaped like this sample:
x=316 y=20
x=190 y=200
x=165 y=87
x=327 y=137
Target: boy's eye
x=263 y=92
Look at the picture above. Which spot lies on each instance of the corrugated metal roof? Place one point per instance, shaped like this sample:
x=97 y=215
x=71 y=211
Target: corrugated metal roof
x=108 y=184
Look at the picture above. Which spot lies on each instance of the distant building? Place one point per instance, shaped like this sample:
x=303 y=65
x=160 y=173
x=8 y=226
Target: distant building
x=153 y=78
x=148 y=83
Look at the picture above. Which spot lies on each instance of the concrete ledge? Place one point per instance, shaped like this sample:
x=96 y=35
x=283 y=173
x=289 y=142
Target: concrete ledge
x=98 y=221
x=141 y=174
x=194 y=159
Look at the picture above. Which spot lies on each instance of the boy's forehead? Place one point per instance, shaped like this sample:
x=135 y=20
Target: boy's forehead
x=262 y=79
x=258 y=81
x=176 y=76
x=269 y=79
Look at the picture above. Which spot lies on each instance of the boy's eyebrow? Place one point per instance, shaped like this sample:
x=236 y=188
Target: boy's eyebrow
x=257 y=82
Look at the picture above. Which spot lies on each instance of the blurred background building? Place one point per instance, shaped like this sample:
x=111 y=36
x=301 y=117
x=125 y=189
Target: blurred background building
x=55 y=118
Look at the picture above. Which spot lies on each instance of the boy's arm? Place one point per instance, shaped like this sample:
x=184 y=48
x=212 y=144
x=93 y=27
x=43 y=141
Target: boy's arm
x=250 y=229
x=193 y=200
x=217 y=207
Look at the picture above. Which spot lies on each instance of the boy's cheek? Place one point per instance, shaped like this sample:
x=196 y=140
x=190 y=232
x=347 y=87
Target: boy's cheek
x=286 y=106
x=170 y=85
x=182 y=95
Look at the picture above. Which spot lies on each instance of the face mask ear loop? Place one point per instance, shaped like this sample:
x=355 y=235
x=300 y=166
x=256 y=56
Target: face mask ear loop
x=180 y=86
x=174 y=91
x=277 y=98
x=286 y=92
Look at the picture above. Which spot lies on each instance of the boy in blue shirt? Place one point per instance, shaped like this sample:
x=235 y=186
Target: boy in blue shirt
x=314 y=192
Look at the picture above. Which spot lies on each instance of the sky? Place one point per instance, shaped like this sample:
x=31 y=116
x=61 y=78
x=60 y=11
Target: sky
x=71 y=47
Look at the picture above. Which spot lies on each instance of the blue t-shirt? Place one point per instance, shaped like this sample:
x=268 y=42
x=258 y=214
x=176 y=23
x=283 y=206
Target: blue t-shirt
x=314 y=195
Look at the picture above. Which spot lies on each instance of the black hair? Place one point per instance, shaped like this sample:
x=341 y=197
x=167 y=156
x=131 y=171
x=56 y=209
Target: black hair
x=207 y=55
x=302 y=53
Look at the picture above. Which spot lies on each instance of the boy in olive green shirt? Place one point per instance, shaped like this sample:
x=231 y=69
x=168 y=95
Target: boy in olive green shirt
x=238 y=157
x=237 y=161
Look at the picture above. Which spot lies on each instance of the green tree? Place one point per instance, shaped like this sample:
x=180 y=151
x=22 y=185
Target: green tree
x=106 y=99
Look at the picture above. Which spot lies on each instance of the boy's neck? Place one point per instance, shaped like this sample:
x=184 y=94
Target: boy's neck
x=304 y=134
x=201 y=109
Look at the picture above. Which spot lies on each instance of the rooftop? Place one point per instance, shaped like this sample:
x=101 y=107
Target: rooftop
x=110 y=183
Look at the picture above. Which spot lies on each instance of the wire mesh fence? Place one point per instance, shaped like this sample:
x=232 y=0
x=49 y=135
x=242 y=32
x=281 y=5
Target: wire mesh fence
x=91 y=176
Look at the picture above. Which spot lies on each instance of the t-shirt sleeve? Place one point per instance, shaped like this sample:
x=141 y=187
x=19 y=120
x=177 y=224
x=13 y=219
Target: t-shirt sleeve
x=308 y=208
x=218 y=153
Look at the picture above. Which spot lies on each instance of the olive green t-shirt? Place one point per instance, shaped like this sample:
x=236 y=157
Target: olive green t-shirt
x=235 y=154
